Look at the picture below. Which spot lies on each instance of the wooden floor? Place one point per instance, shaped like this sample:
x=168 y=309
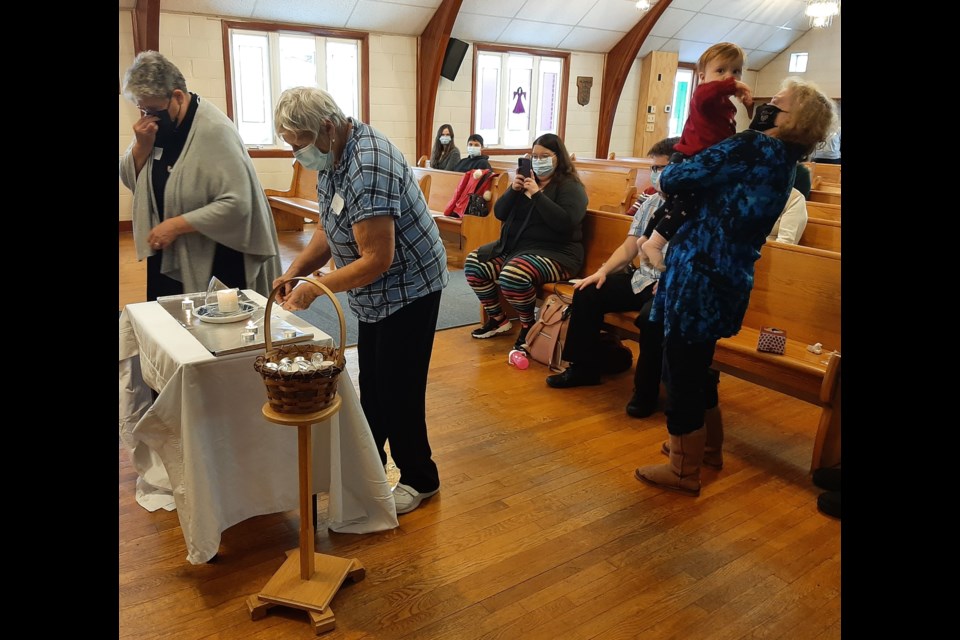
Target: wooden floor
x=539 y=530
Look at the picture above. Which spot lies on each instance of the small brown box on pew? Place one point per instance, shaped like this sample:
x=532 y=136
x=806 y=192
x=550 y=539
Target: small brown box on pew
x=772 y=340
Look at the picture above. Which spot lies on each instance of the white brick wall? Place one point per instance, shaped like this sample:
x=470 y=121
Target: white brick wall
x=393 y=90
x=581 y=134
x=625 y=119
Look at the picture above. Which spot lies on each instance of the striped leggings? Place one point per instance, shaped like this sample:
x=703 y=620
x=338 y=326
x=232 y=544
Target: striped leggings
x=518 y=279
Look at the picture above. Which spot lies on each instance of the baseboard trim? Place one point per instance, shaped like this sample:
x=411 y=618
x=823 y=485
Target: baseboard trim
x=126 y=225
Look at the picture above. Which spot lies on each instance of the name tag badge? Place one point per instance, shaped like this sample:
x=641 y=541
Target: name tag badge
x=157 y=153
x=336 y=205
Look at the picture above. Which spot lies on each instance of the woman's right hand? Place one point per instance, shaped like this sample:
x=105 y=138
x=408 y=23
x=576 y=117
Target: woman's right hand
x=598 y=277
x=285 y=290
x=145 y=130
x=517 y=182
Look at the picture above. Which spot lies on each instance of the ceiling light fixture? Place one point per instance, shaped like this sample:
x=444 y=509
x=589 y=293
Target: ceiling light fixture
x=644 y=5
x=821 y=12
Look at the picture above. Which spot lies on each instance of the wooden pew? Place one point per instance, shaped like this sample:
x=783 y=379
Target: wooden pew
x=826 y=194
x=460 y=235
x=290 y=207
x=638 y=168
x=827 y=172
x=796 y=289
x=823 y=210
x=821 y=234
x=612 y=190
x=641 y=165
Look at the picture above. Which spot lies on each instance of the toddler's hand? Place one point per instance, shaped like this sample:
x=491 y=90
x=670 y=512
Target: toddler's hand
x=640 y=241
x=743 y=93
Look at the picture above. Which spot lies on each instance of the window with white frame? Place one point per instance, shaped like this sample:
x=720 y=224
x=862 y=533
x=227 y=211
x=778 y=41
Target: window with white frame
x=798 y=62
x=682 y=90
x=517 y=97
x=265 y=63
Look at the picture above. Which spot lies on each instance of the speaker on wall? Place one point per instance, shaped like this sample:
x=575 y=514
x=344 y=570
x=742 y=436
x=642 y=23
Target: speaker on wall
x=453 y=58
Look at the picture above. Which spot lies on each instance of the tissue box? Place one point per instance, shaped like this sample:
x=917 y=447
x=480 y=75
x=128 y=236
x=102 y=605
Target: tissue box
x=772 y=340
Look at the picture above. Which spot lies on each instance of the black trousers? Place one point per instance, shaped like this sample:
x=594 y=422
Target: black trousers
x=394 y=358
x=586 y=318
x=691 y=383
x=649 y=370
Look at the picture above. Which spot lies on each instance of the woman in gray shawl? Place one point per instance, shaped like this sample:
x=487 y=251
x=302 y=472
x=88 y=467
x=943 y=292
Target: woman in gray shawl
x=198 y=207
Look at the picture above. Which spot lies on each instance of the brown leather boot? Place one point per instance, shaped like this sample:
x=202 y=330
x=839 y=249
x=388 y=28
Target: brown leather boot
x=682 y=474
x=713 y=452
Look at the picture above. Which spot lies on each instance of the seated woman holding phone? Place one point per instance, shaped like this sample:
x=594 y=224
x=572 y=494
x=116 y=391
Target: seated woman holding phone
x=540 y=240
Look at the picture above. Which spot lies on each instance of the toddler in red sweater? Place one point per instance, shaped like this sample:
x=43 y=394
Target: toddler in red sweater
x=712 y=119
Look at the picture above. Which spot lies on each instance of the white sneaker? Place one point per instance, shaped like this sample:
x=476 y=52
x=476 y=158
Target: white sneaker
x=407 y=498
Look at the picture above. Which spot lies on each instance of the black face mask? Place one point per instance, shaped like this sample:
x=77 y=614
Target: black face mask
x=165 y=127
x=765 y=117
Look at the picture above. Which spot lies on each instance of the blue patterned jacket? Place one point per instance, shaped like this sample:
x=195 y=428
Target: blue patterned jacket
x=742 y=185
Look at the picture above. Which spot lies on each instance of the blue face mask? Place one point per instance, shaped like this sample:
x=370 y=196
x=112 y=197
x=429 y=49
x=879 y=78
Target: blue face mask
x=444 y=139
x=314 y=159
x=473 y=151
x=655 y=178
x=543 y=167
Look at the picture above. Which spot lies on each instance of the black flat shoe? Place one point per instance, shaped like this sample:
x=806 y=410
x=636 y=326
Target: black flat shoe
x=827 y=478
x=642 y=407
x=573 y=377
x=521 y=343
x=829 y=503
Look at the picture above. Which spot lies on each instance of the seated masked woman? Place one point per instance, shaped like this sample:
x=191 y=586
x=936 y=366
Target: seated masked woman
x=540 y=240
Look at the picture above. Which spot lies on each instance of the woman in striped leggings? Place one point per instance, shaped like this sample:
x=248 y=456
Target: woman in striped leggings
x=540 y=239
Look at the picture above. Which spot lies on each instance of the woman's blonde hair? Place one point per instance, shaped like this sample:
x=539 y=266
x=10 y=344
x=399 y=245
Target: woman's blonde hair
x=814 y=115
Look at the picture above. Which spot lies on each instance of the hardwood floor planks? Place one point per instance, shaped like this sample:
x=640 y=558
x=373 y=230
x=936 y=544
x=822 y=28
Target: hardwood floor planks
x=539 y=531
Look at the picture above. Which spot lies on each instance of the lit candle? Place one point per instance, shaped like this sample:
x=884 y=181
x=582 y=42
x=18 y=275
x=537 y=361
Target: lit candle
x=227 y=301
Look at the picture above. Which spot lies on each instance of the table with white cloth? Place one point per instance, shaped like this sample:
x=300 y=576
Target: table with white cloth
x=204 y=447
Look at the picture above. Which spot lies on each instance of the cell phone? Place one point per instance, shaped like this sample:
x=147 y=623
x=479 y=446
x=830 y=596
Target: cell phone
x=524 y=167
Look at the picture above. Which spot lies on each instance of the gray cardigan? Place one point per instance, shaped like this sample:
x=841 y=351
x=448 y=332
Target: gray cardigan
x=215 y=186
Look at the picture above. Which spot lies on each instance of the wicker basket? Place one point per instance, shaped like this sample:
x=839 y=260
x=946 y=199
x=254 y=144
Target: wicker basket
x=301 y=391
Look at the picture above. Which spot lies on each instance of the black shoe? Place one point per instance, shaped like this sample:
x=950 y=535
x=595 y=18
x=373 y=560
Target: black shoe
x=641 y=406
x=492 y=327
x=829 y=503
x=522 y=338
x=573 y=377
x=827 y=479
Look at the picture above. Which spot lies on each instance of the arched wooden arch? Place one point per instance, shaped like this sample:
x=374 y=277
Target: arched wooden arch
x=431 y=47
x=146 y=26
x=617 y=68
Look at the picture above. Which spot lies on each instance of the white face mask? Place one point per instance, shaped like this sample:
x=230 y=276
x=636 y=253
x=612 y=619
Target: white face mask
x=314 y=159
x=473 y=151
x=444 y=139
x=655 y=178
x=543 y=167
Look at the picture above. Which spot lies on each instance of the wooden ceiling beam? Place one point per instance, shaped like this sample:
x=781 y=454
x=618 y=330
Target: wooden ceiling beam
x=431 y=47
x=146 y=26
x=616 y=69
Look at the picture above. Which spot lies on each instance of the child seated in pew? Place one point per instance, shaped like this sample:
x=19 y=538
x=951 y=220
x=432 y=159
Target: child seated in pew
x=712 y=119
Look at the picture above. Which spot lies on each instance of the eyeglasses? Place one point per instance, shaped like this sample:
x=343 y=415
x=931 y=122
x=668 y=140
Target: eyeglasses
x=545 y=156
x=154 y=111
